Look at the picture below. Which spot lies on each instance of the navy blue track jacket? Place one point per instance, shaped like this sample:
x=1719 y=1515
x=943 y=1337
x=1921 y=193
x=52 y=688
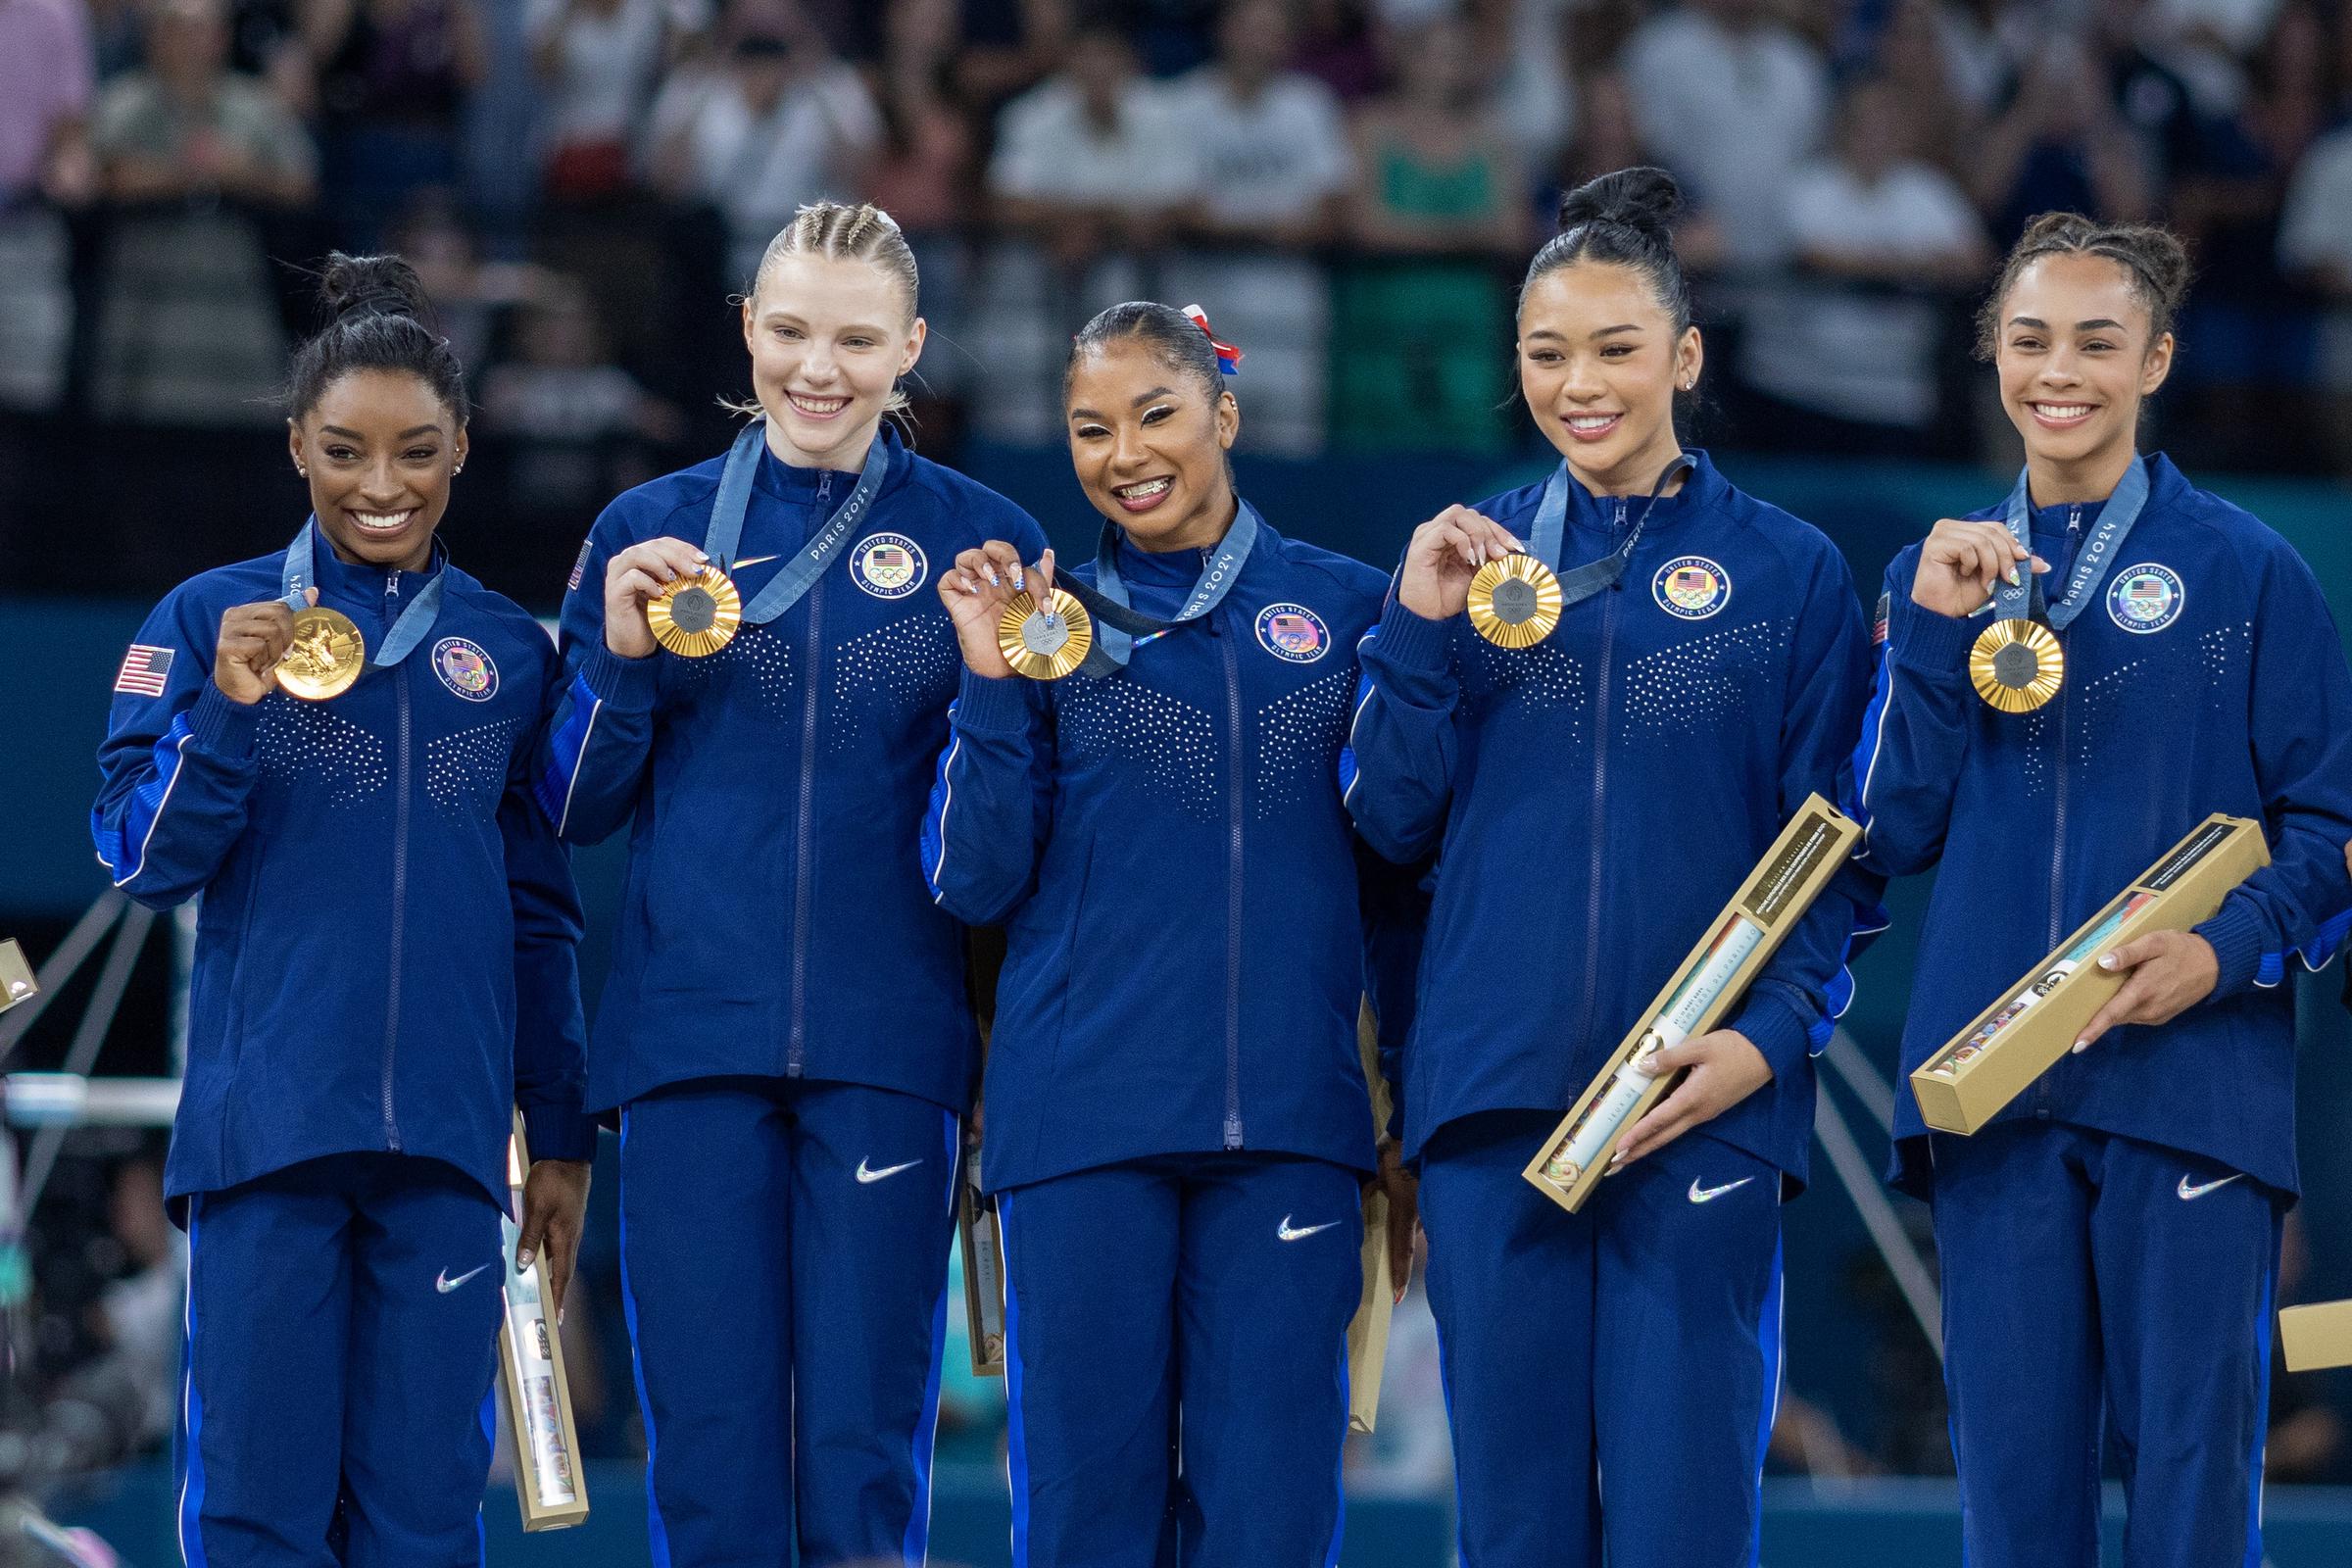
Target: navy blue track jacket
x=1596 y=798
x=1165 y=845
x=386 y=947
x=2207 y=677
x=775 y=921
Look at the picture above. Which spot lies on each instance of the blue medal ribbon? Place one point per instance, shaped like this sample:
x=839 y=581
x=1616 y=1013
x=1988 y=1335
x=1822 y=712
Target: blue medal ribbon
x=1544 y=539
x=2092 y=557
x=1119 y=624
x=414 y=624
x=726 y=533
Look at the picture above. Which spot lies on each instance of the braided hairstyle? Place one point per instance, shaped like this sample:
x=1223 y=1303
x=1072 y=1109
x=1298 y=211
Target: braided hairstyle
x=839 y=230
x=2152 y=258
x=376 y=317
x=1625 y=218
x=1173 y=338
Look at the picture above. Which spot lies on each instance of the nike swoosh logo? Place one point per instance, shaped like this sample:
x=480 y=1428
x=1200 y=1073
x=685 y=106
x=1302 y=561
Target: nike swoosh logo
x=865 y=1175
x=1708 y=1194
x=1284 y=1232
x=2202 y=1187
x=444 y=1284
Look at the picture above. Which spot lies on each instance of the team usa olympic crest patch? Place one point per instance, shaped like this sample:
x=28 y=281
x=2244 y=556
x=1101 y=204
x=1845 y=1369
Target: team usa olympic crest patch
x=1293 y=632
x=1691 y=587
x=2144 y=597
x=465 y=669
x=888 y=565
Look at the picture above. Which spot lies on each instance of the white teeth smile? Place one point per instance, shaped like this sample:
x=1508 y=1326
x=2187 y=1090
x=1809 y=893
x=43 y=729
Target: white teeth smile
x=381 y=521
x=1591 y=421
x=817 y=406
x=2062 y=411
x=1143 y=491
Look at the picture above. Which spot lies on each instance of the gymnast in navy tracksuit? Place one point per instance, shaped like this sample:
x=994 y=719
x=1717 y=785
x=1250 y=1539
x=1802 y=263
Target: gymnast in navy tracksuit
x=1595 y=799
x=2110 y=1243
x=1177 y=1121
x=384 y=970
x=785 y=1031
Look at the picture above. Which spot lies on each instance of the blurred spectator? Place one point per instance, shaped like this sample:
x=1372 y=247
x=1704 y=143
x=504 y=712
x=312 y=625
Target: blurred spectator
x=598 y=61
x=1433 y=171
x=393 y=78
x=188 y=328
x=2057 y=145
x=1534 y=98
x=44 y=153
x=1093 y=158
x=1984 y=40
x=469 y=295
x=1270 y=151
x=1732 y=101
x=1010 y=46
x=1869 y=213
x=575 y=425
x=1336 y=46
x=140 y=1312
x=778 y=123
x=2315 y=230
x=1917 y=55
x=923 y=173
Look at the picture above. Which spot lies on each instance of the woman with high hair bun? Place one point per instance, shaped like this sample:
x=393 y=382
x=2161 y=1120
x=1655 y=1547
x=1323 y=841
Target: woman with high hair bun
x=2110 y=1241
x=785 y=1033
x=332 y=746
x=1595 y=794
x=1178 y=1128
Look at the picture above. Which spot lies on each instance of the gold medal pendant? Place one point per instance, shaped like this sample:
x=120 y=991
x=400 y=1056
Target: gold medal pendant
x=696 y=616
x=1045 y=643
x=1514 y=602
x=325 y=657
x=2017 y=665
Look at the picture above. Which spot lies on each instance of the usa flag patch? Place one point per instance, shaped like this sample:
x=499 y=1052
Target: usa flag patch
x=143 y=670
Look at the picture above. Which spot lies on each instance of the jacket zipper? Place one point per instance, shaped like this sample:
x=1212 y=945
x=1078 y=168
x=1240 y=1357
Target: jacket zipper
x=2073 y=529
x=797 y=1054
x=400 y=867
x=1233 y=884
x=1601 y=788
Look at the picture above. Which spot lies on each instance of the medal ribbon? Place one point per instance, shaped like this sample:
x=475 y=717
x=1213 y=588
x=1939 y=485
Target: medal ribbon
x=407 y=631
x=2091 y=558
x=1552 y=525
x=800 y=573
x=1117 y=624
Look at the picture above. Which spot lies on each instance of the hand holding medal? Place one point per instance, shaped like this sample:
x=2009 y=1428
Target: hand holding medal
x=1450 y=552
x=1012 y=620
x=666 y=593
x=1963 y=564
x=254 y=641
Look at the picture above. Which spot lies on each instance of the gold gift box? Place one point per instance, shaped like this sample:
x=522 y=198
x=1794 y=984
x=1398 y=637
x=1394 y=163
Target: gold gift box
x=2317 y=1337
x=17 y=980
x=1704 y=989
x=1368 y=1329
x=2015 y=1041
x=983 y=1244
x=549 y=1485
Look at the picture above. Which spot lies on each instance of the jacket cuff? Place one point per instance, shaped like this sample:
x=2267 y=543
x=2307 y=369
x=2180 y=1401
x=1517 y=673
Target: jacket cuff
x=558 y=1132
x=1411 y=642
x=992 y=705
x=1930 y=644
x=628 y=685
x=221 y=726
x=2237 y=939
x=1773 y=1026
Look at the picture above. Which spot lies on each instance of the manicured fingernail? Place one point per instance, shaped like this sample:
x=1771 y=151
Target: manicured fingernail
x=2012 y=576
x=522 y=1257
x=1020 y=579
x=993 y=581
x=2106 y=960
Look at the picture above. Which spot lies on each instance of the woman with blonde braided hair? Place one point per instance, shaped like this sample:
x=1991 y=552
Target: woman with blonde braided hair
x=759 y=683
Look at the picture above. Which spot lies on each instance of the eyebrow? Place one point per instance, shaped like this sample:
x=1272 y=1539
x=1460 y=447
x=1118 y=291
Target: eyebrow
x=787 y=316
x=2095 y=324
x=1137 y=401
x=1606 y=332
x=408 y=434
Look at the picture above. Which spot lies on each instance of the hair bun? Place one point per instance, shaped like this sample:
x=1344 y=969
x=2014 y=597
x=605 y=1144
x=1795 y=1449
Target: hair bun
x=353 y=287
x=1645 y=200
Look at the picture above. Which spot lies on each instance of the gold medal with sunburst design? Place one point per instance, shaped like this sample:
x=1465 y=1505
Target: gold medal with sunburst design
x=324 y=657
x=1045 y=642
x=696 y=616
x=2017 y=665
x=1514 y=602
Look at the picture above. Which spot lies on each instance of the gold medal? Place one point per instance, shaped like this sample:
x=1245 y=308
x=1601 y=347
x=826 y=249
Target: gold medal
x=325 y=657
x=1048 y=643
x=1514 y=602
x=2017 y=665
x=696 y=616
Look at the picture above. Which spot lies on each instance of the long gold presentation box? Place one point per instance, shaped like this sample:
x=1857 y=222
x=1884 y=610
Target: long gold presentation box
x=548 y=1480
x=1709 y=983
x=1368 y=1329
x=983 y=1244
x=2019 y=1037
x=2317 y=1337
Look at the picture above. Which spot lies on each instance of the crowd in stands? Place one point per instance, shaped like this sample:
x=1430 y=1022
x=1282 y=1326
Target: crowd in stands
x=1348 y=185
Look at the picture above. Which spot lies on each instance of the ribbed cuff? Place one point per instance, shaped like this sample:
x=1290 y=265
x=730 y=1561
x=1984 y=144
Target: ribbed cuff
x=558 y=1132
x=1774 y=1028
x=627 y=684
x=1407 y=640
x=992 y=705
x=2236 y=940
x=1930 y=644
x=223 y=727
